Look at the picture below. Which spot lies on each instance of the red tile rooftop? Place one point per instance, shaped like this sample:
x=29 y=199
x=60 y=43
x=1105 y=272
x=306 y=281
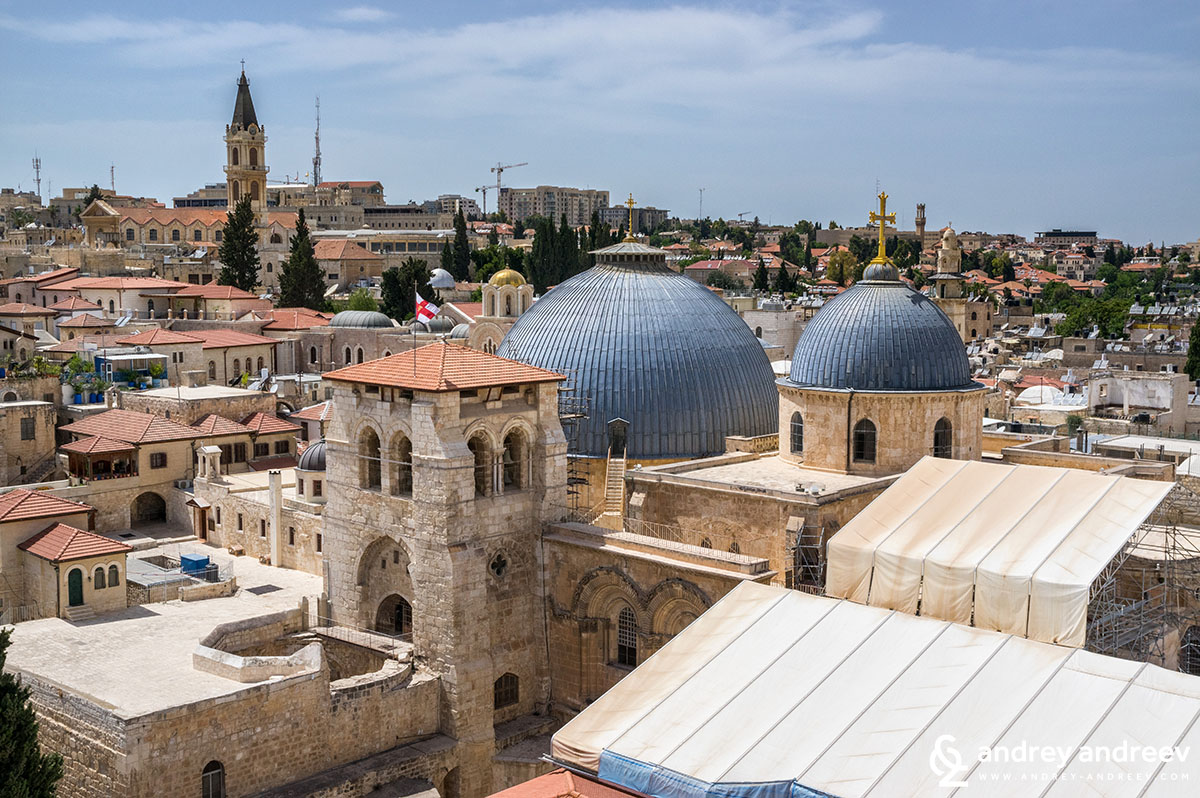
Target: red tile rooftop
x=24 y=309
x=87 y=320
x=61 y=543
x=317 y=412
x=74 y=303
x=96 y=445
x=20 y=504
x=443 y=367
x=132 y=427
x=212 y=424
x=158 y=336
x=564 y=784
x=264 y=423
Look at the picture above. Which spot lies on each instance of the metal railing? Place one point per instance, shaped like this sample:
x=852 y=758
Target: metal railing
x=396 y=646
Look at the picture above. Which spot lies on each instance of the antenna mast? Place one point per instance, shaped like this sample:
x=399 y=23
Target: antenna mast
x=112 y=177
x=37 y=174
x=701 y=214
x=317 y=154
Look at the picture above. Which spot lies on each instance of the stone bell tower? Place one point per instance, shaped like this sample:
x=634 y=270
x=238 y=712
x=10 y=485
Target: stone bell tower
x=246 y=154
x=442 y=463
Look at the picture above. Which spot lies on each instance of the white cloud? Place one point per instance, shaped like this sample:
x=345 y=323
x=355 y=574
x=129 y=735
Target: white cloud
x=362 y=14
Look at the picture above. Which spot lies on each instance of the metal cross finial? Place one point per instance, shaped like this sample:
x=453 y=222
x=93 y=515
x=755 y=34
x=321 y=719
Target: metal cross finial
x=243 y=66
x=883 y=217
x=629 y=204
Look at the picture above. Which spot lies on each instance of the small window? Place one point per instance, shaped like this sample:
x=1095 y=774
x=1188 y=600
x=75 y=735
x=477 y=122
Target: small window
x=262 y=527
x=312 y=354
x=218 y=515
x=212 y=779
x=129 y=234
x=98 y=578
x=240 y=527
x=706 y=544
x=114 y=576
x=864 y=441
x=158 y=460
x=239 y=453
x=283 y=447
x=262 y=450
x=299 y=487
x=270 y=267
x=175 y=235
x=258 y=365
x=506 y=691
x=218 y=237
x=28 y=429
x=316 y=487
x=195 y=235
x=318 y=535
x=153 y=235
x=291 y=536
x=627 y=638
x=797 y=433
x=212 y=369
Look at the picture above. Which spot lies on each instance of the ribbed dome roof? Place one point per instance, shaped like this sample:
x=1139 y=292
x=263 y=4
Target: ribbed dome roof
x=360 y=318
x=313 y=458
x=643 y=343
x=881 y=336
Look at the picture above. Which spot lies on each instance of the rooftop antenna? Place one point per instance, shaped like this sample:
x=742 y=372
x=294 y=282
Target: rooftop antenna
x=37 y=173
x=112 y=177
x=701 y=214
x=316 y=170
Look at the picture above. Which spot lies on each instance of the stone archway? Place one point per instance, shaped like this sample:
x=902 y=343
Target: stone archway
x=148 y=508
x=383 y=581
x=394 y=616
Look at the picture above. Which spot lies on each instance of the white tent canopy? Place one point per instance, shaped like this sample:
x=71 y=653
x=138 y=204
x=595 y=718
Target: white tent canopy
x=774 y=693
x=1015 y=548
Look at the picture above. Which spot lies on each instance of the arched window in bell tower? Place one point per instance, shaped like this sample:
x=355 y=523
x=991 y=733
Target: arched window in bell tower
x=233 y=156
x=254 y=190
x=254 y=156
x=237 y=191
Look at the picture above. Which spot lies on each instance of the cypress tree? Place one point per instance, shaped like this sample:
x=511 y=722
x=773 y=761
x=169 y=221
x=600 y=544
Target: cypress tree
x=518 y=229
x=448 y=258
x=783 y=280
x=586 y=260
x=1192 y=366
x=301 y=280
x=568 y=251
x=24 y=770
x=239 y=248
x=462 y=249
x=762 y=278
x=541 y=256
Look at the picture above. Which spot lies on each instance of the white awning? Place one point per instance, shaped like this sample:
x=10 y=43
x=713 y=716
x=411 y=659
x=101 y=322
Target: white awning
x=1014 y=547
x=774 y=693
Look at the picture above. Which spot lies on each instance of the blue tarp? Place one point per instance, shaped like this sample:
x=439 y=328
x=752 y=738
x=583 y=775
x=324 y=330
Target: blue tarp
x=661 y=782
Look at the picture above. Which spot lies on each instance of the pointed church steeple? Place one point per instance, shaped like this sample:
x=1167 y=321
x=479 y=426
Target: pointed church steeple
x=243 y=107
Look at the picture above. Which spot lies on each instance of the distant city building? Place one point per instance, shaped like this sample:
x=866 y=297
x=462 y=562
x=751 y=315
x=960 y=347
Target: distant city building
x=213 y=195
x=1066 y=238
x=451 y=204
x=644 y=219
x=552 y=202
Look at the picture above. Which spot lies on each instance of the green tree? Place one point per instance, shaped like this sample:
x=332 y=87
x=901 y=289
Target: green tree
x=720 y=279
x=542 y=257
x=567 y=251
x=93 y=194
x=1192 y=366
x=301 y=280
x=361 y=299
x=762 y=278
x=518 y=229
x=448 y=258
x=462 y=249
x=841 y=267
x=239 y=248
x=400 y=286
x=784 y=282
x=25 y=772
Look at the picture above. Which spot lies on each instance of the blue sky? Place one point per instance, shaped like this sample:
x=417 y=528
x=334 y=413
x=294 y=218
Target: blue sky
x=1008 y=116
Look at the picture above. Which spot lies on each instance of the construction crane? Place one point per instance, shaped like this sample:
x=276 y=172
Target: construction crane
x=499 y=170
x=484 y=190
x=742 y=214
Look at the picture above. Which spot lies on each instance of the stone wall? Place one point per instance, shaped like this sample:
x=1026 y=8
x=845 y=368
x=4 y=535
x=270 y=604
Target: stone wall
x=20 y=459
x=301 y=525
x=189 y=411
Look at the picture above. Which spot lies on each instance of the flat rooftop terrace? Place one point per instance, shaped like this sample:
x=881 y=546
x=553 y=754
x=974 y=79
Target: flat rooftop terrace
x=769 y=472
x=198 y=392
x=139 y=660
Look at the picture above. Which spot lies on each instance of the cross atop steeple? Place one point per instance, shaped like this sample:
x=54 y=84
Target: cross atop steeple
x=883 y=218
x=243 y=66
x=629 y=204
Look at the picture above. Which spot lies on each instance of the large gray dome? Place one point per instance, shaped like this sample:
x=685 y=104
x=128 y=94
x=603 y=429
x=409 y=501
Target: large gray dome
x=360 y=318
x=643 y=343
x=881 y=336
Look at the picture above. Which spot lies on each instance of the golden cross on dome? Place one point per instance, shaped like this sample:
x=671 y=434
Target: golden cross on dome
x=629 y=204
x=883 y=217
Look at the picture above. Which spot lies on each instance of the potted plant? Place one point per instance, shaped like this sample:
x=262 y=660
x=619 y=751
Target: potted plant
x=128 y=376
x=77 y=387
x=156 y=374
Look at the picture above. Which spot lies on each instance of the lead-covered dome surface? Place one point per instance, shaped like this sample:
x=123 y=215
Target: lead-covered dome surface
x=881 y=336
x=360 y=318
x=643 y=343
x=313 y=458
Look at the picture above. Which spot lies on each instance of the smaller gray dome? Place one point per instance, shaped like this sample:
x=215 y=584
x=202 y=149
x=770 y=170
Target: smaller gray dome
x=461 y=331
x=440 y=278
x=313 y=458
x=441 y=324
x=360 y=318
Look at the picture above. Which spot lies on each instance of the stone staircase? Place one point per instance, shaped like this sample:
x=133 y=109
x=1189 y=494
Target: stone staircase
x=614 y=494
x=81 y=613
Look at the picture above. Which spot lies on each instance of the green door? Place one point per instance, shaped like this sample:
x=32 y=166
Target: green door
x=75 y=588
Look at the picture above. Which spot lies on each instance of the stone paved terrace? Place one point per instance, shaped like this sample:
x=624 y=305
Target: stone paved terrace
x=771 y=472
x=139 y=660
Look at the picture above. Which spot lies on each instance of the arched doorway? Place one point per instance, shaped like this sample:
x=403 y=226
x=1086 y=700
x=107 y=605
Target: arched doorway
x=75 y=588
x=394 y=616
x=148 y=508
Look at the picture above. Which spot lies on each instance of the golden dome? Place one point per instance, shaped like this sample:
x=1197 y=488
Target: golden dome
x=507 y=277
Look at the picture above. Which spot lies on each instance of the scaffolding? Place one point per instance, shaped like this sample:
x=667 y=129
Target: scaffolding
x=1145 y=605
x=572 y=411
x=806 y=558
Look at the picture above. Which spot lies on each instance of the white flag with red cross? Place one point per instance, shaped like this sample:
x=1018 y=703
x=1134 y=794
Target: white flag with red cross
x=425 y=310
